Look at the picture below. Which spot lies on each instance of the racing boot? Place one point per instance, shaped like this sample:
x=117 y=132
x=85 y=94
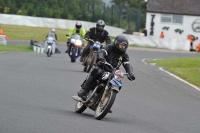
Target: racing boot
x=110 y=111
x=83 y=94
x=86 y=86
x=66 y=51
x=81 y=58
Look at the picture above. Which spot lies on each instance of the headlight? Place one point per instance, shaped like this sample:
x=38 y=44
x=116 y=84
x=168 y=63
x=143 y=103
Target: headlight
x=73 y=41
x=118 y=75
x=78 y=42
x=105 y=75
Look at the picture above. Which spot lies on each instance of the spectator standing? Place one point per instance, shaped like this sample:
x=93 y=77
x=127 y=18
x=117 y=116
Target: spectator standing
x=191 y=38
x=162 y=35
x=144 y=31
x=1 y=31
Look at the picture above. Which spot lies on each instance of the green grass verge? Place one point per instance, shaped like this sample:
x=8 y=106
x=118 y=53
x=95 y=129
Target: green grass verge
x=186 y=68
x=15 y=48
x=15 y=32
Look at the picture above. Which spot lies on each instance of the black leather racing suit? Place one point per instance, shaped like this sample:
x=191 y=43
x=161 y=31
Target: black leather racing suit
x=109 y=54
x=95 y=35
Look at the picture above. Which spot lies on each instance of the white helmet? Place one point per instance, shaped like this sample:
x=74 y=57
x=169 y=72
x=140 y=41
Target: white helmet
x=78 y=25
x=53 y=30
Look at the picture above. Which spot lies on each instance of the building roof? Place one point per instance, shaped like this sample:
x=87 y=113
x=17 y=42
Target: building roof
x=184 y=7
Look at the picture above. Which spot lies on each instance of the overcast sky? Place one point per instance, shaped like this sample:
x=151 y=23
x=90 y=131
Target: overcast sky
x=106 y=1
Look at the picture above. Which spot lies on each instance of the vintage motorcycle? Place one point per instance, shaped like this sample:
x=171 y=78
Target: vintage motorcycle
x=101 y=98
x=90 y=60
x=75 y=47
x=49 y=46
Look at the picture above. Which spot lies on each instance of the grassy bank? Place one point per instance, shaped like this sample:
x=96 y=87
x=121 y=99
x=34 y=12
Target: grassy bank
x=186 y=68
x=15 y=48
x=15 y=32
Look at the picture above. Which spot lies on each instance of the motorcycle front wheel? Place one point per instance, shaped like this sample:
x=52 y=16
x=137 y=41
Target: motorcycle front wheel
x=48 y=53
x=104 y=107
x=80 y=107
x=85 y=62
x=92 y=62
x=73 y=57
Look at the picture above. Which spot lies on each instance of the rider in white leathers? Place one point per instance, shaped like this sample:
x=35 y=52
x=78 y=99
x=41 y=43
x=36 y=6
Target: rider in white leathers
x=51 y=36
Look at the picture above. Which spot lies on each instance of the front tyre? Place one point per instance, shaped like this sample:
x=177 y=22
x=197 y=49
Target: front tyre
x=92 y=62
x=80 y=107
x=73 y=57
x=104 y=107
x=48 y=53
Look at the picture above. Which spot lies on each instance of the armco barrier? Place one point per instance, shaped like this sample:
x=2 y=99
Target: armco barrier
x=38 y=49
x=52 y=23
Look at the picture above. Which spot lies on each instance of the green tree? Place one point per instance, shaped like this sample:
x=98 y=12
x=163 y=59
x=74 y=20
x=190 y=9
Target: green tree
x=121 y=14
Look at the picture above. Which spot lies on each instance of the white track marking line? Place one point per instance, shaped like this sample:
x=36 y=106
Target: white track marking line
x=144 y=61
x=197 y=88
x=3 y=52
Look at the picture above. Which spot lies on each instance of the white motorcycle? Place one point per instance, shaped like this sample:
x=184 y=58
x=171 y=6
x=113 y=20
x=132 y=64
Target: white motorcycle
x=50 y=44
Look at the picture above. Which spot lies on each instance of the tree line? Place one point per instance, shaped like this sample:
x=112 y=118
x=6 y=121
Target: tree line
x=128 y=15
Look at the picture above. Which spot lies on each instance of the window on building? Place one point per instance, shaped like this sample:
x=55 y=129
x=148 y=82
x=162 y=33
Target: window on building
x=167 y=18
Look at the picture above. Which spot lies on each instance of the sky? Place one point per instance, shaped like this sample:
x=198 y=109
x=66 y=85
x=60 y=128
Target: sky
x=106 y=1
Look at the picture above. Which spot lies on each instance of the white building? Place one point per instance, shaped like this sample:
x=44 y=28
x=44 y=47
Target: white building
x=176 y=18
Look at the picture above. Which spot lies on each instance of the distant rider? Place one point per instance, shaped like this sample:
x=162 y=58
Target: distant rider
x=75 y=30
x=97 y=34
x=53 y=34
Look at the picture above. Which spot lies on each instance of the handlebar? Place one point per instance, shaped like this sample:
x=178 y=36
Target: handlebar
x=106 y=63
x=90 y=40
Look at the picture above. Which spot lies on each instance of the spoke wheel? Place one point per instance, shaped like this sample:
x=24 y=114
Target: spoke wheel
x=104 y=107
x=80 y=107
x=91 y=62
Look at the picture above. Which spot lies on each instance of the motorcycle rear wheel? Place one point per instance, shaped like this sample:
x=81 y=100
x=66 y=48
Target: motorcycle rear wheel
x=103 y=108
x=80 y=107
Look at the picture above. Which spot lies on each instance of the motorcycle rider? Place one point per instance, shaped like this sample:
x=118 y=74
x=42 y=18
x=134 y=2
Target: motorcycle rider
x=75 y=30
x=52 y=34
x=115 y=54
x=97 y=33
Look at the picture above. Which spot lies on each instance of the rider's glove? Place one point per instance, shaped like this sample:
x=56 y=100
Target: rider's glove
x=87 y=39
x=101 y=61
x=131 y=76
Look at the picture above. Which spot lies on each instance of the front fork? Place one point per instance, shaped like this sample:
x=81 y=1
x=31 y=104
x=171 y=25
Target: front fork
x=104 y=94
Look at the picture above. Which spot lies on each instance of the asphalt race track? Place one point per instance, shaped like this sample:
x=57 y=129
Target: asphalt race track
x=35 y=97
